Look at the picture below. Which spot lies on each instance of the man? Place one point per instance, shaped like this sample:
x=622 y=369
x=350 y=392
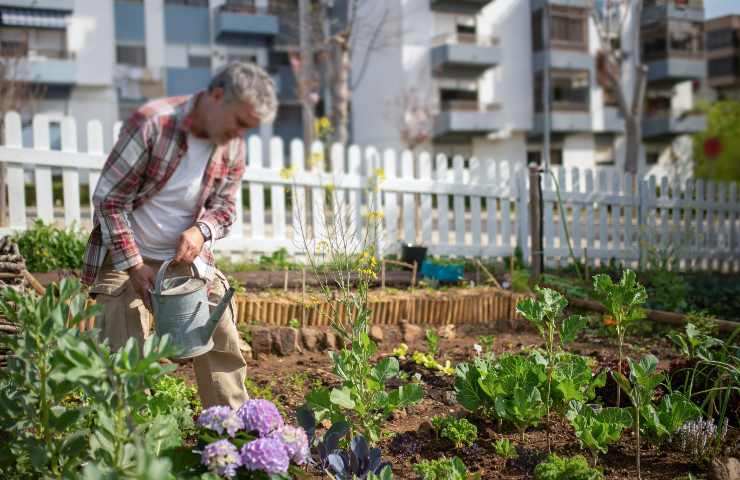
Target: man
x=168 y=190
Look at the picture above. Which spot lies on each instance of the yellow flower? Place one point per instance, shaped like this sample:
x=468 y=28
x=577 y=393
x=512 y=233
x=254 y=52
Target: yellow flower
x=317 y=158
x=324 y=123
x=375 y=215
x=287 y=173
x=329 y=187
x=379 y=174
x=321 y=246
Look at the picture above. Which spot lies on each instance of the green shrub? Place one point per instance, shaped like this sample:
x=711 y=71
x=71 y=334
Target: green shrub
x=459 y=431
x=47 y=247
x=573 y=468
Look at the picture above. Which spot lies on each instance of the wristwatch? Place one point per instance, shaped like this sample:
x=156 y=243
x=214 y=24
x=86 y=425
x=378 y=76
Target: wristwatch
x=204 y=230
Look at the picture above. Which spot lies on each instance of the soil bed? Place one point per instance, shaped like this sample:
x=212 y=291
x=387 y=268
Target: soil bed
x=410 y=439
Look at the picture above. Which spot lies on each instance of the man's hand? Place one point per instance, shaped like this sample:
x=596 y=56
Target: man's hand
x=191 y=243
x=142 y=279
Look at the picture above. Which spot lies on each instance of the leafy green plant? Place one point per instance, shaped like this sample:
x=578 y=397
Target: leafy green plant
x=694 y=343
x=573 y=379
x=545 y=312
x=459 y=431
x=573 y=468
x=673 y=411
x=52 y=436
x=704 y=322
x=597 y=427
x=642 y=382
x=428 y=361
x=505 y=448
x=363 y=394
x=520 y=280
x=432 y=341
x=443 y=469
x=622 y=300
x=171 y=396
x=508 y=387
x=47 y=247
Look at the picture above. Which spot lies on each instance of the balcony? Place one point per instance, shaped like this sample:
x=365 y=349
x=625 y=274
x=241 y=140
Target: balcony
x=666 y=124
x=238 y=20
x=656 y=11
x=67 y=5
x=563 y=122
x=462 y=55
x=563 y=59
x=459 y=119
x=538 y=4
x=676 y=69
x=458 y=6
x=45 y=68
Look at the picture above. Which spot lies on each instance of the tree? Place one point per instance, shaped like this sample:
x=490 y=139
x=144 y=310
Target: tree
x=620 y=69
x=717 y=150
x=331 y=34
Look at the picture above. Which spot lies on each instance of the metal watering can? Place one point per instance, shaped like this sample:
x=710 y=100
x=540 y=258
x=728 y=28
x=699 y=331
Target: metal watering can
x=181 y=310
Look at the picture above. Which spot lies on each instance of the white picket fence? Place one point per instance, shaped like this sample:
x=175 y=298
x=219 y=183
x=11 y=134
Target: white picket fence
x=456 y=207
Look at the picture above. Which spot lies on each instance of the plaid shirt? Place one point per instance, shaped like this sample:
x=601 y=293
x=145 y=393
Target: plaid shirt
x=150 y=147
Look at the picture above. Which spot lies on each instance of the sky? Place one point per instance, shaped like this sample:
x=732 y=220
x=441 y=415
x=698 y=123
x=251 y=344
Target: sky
x=717 y=8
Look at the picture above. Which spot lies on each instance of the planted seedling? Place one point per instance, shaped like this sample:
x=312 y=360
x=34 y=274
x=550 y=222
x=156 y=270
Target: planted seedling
x=444 y=469
x=359 y=461
x=545 y=313
x=622 y=300
x=460 y=432
x=573 y=468
x=504 y=448
x=639 y=388
x=597 y=427
x=671 y=414
x=432 y=341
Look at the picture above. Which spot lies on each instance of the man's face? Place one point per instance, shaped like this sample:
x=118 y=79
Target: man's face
x=228 y=120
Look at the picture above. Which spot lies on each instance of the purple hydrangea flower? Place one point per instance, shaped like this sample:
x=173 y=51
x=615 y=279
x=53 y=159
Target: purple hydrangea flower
x=261 y=416
x=221 y=458
x=266 y=454
x=220 y=419
x=295 y=441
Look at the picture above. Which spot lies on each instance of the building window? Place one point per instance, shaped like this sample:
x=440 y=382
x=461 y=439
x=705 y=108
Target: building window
x=680 y=38
x=569 y=90
x=241 y=58
x=132 y=55
x=718 y=67
x=568 y=28
x=537 y=43
x=723 y=38
x=199 y=61
x=556 y=156
x=452 y=99
x=534 y=156
x=33 y=42
x=651 y=158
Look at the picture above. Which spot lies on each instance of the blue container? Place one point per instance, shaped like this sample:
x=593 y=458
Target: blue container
x=442 y=273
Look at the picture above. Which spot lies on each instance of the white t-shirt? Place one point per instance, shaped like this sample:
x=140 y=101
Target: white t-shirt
x=158 y=223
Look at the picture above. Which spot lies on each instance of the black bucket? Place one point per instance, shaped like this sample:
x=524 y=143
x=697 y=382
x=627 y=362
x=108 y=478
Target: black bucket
x=413 y=253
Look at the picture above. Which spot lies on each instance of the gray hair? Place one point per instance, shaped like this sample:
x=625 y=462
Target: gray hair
x=247 y=82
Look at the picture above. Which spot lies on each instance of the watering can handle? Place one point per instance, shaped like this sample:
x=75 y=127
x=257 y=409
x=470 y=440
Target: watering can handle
x=160 y=275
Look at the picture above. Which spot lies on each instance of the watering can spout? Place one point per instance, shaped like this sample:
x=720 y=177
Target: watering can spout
x=216 y=315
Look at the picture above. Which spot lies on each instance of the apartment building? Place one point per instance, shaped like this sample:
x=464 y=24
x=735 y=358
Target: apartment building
x=723 y=56
x=480 y=68
x=172 y=47
x=61 y=49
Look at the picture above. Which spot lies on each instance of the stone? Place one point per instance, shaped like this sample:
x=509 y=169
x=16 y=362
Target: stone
x=261 y=340
x=331 y=340
x=447 y=331
x=285 y=340
x=245 y=349
x=411 y=333
x=426 y=430
x=311 y=339
x=376 y=333
x=724 y=469
x=450 y=398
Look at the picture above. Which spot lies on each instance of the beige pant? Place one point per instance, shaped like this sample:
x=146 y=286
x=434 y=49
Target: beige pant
x=220 y=373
